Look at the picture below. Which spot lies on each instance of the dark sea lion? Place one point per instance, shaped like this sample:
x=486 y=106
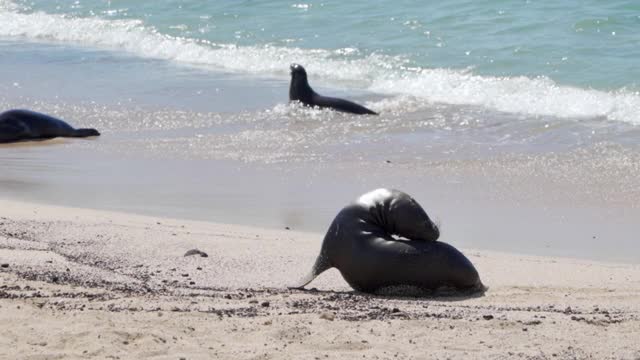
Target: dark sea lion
x=301 y=91
x=361 y=245
x=20 y=125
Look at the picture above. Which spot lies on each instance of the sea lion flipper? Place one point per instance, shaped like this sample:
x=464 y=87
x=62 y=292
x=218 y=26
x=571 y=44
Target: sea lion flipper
x=85 y=132
x=341 y=105
x=322 y=264
x=303 y=282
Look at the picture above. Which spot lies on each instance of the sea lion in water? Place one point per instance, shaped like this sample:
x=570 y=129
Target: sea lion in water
x=19 y=125
x=360 y=243
x=301 y=91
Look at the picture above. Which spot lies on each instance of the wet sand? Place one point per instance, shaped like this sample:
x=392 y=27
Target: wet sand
x=582 y=203
x=79 y=283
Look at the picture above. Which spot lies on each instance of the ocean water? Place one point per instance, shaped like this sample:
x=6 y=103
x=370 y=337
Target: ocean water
x=576 y=59
x=488 y=100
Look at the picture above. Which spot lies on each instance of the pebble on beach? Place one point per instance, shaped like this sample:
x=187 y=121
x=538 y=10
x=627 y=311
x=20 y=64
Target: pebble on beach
x=196 y=252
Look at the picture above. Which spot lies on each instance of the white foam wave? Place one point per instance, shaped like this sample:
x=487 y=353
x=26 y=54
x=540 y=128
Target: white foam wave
x=537 y=96
x=375 y=72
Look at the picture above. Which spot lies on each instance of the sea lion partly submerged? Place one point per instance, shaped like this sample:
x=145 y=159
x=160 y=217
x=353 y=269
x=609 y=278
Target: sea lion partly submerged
x=299 y=90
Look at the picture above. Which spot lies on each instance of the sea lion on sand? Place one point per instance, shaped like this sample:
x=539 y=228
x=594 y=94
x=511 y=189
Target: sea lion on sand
x=301 y=91
x=361 y=245
x=19 y=125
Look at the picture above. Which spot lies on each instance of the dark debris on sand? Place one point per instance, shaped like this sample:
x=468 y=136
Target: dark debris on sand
x=174 y=290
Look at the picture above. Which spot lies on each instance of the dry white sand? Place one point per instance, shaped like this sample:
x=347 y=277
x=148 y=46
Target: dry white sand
x=78 y=283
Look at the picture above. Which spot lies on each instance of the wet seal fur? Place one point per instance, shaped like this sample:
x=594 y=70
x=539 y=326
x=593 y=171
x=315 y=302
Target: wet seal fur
x=360 y=243
x=299 y=90
x=21 y=125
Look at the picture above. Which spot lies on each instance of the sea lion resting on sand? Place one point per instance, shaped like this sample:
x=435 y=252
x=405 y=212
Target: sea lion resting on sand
x=299 y=90
x=361 y=245
x=19 y=125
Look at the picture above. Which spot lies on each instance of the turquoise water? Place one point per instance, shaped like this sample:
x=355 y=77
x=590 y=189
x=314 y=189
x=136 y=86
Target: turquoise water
x=565 y=59
x=583 y=43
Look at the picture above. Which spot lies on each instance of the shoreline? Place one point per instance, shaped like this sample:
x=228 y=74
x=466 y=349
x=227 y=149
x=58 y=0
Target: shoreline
x=581 y=204
x=108 y=284
x=24 y=210
x=504 y=181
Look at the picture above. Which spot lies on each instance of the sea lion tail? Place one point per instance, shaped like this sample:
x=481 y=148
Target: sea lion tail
x=321 y=265
x=85 y=132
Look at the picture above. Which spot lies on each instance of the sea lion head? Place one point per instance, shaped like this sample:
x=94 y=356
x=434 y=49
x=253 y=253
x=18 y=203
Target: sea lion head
x=299 y=88
x=410 y=220
x=298 y=72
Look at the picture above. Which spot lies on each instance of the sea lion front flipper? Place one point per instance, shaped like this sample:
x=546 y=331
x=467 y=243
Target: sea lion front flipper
x=303 y=282
x=322 y=264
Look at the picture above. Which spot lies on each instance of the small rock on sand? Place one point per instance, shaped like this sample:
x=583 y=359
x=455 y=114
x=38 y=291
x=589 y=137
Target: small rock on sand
x=196 y=252
x=327 y=315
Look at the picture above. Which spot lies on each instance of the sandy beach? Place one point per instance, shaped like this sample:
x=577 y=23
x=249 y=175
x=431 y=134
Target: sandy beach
x=514 y=125
x=79 y=283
